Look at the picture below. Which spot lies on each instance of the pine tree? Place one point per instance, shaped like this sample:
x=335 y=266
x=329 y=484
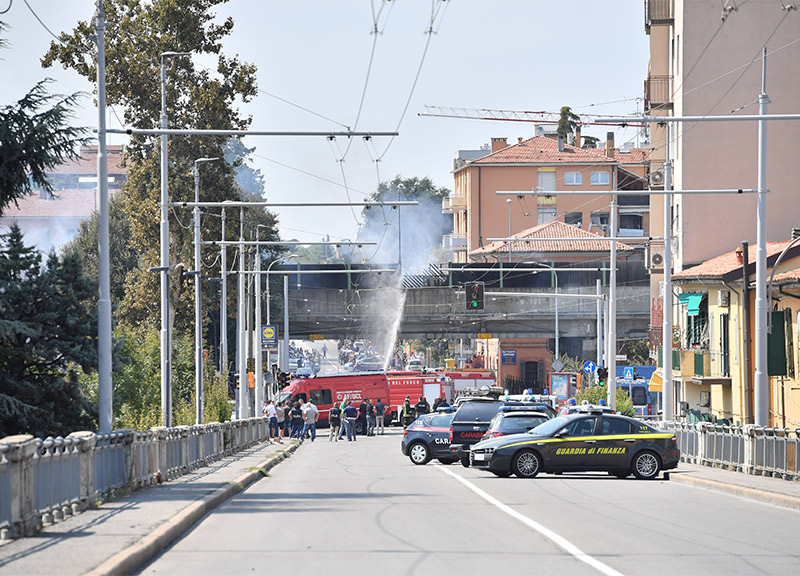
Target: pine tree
x=47 y=336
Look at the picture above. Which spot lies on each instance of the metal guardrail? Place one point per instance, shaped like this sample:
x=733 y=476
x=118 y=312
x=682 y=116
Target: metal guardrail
x=748 y=449
x=43 y=481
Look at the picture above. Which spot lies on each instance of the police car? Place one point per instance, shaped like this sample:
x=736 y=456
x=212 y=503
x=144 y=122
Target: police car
x=429 y=437
x=588 y=441
x=517 y=418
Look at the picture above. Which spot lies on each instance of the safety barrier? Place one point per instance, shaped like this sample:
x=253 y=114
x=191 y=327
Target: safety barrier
x=749 y=449
x=43 y=481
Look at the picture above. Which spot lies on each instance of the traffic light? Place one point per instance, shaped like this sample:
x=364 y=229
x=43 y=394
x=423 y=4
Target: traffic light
x=474 y=295
x=602 y=374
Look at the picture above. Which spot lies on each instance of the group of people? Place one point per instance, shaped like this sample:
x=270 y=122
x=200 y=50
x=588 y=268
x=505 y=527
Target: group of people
x=300 y=419
x=296 y=421
x=409 y=412
x=342 y=419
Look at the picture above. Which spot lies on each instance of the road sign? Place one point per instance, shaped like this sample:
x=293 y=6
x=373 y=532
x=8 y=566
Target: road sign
x=316 y=337
x=589 y=367
x=557 y=365
x=508 y=356
x=484 y=335
x=628 y=373
x=269 y=337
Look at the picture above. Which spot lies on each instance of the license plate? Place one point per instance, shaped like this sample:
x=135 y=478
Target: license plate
x=479 y=457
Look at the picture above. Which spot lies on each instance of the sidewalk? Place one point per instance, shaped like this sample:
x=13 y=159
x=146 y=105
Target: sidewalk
x=762 y=488
x=124 y=534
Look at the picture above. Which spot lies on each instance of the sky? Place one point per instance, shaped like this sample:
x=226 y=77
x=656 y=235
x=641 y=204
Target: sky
x=322 y=67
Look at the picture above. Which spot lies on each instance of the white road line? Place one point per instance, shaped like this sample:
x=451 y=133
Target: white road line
x=557 y=539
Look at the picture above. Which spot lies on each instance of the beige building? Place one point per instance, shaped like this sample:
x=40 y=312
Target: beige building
x=713 y=354
x=543 y=163
x=705 y=59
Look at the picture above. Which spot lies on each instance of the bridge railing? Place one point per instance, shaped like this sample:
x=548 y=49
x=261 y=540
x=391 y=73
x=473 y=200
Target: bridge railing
x=748 y=449
x=44 y=481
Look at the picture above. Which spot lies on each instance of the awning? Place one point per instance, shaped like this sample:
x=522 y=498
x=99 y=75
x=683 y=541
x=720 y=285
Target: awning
x=656 y=381
x=692 y=301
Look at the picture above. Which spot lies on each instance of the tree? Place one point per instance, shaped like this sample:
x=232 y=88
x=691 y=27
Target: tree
x=422 y=226
x=567 y=122
x=196 y=98
x=593 y=395
x=34 y=137
x=48 y=336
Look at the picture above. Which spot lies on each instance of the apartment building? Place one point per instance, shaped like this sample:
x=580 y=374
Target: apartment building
x=543 y=163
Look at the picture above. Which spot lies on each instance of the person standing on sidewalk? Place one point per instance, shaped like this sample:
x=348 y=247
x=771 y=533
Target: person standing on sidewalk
x=272 y=414
x=380 y=411
x=297 y=421
x=335 y=423
x=310 y=416
x=350 y=414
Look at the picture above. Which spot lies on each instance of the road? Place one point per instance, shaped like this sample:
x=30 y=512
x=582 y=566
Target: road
x=359 y=507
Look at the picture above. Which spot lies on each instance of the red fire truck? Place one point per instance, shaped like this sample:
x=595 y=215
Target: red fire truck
x=431 y=385
x=463 y=379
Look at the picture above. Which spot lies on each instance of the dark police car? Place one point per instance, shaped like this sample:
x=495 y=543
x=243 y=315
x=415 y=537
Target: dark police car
x=429 y=437
x=590 y=441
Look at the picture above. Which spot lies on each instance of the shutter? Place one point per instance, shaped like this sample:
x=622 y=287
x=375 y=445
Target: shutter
x=776 y=346
x=787 y=316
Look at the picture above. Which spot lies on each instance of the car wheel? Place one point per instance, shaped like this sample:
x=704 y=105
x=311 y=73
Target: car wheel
x=499 y=474
x=465 y=461
x=418 y=453
x=359 y=427
x=526 y=464
x=646 y=465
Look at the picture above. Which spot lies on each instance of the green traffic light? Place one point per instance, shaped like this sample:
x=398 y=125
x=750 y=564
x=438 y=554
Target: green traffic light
x=474 y=304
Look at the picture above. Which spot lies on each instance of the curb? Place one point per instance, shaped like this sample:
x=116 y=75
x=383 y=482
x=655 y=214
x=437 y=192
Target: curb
x=765 y=496
x=142 y=552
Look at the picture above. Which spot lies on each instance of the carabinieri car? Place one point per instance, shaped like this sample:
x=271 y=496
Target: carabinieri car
x=591 y=441
x=429 y=437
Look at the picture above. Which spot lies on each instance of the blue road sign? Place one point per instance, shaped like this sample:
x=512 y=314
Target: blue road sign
x=628 y=373
x=589 y=366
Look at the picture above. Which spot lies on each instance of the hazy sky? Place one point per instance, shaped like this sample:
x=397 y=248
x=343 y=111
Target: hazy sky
x=315 y=54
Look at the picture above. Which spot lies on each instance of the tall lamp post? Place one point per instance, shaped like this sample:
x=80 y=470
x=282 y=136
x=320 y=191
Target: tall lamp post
x=166 y=344
x=198 y=313
x=508 y=201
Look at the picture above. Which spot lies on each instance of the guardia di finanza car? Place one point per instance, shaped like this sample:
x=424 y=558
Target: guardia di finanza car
x=580 y=443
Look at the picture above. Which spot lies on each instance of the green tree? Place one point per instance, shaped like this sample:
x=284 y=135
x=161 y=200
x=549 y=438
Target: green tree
x=593 y=395
x=47 y=337
x=567 y=122
x=34 y=137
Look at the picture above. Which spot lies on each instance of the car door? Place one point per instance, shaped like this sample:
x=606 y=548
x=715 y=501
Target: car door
x=614 y=443
x=573 y=446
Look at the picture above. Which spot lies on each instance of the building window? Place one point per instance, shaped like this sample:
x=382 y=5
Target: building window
x=574 y=218
x=546 y=214
x=573 y=178
x=631 y=221
x=599 y=220
x=599 y=178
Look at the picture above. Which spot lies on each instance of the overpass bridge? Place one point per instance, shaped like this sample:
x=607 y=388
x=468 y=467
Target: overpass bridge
x=518 y=304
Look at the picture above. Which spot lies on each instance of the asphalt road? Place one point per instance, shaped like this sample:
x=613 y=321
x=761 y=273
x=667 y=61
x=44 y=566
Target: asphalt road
x=361 y=507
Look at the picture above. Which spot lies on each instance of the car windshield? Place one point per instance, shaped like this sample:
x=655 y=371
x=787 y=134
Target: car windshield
x=522 y=423
x=477 y=411
x=549 y=427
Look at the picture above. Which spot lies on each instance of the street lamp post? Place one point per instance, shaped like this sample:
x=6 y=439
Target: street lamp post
x=198 y=313
x=508 y=201
x=166 y=344
x=269 y=317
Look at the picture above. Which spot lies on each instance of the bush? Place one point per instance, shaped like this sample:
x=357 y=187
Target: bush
x=594 y=394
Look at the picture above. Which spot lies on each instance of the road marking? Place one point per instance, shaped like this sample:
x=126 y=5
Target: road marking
x=557 y=539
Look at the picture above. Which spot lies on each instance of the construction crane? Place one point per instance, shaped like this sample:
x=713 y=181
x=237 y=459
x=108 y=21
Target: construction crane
x=540 y=117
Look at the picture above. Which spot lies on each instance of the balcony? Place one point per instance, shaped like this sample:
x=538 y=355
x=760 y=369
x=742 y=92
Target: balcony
x=657 y=12
x=454 y=242
x=658 y=92
x=453 y=204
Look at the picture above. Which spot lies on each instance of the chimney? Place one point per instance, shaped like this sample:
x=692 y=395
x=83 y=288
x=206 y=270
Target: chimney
x=560 y=143
x=739 y=255
x=498 y=144
x=519 y=139
x=578 y=136
x=610 y=144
